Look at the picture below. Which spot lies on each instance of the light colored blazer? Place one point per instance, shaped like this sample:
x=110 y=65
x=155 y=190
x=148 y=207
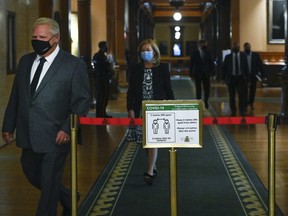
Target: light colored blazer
x=64 y=90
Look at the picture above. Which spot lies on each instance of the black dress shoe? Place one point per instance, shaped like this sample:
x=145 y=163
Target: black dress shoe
x=149 y=178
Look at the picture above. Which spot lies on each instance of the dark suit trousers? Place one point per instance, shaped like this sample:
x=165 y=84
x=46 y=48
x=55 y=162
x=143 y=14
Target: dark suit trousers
x=102 y=98
x=44 y=171
x=252 y=90
x=206 y=87
x=238 y=84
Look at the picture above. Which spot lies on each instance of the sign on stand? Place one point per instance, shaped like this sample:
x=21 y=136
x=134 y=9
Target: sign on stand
x=172 y=124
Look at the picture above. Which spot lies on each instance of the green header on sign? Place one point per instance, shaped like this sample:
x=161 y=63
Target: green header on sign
x=152 y=107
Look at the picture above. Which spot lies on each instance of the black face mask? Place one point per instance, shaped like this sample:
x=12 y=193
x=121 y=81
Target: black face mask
x=41 y=47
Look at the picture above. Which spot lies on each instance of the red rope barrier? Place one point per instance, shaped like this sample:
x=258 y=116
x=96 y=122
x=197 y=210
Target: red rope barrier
x=205 y=121
x=110 y=121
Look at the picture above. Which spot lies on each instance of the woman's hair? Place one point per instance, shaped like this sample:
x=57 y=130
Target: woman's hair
x=156 y=57
x=53 y=25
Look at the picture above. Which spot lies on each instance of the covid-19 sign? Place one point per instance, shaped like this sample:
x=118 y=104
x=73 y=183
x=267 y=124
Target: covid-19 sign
x=176 y=123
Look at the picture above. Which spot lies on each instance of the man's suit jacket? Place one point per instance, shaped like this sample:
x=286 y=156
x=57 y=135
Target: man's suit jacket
x=201 y=66
x=103 y=68
x=63 y=90
x=227 y=68
x=161 y=84
x=256 y=65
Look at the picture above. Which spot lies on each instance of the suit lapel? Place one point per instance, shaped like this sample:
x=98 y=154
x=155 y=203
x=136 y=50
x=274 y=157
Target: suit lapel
x=51 y=72
x=28 y=71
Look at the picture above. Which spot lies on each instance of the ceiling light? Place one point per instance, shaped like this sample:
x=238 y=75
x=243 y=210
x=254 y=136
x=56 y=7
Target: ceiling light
x=177 y=16
x=177 y=28
x=177 y=35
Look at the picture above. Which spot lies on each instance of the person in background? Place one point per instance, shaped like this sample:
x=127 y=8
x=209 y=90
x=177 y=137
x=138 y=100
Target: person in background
x=201 y=69
x=149 y=80
x=236 y=76
x=256 y=71
x=103 y=74
x=49 y=85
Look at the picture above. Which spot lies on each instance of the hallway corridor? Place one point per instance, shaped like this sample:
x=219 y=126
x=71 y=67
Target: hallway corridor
x=18 y=197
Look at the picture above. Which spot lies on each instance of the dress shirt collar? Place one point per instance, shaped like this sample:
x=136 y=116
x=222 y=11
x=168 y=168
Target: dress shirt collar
x=51 y=57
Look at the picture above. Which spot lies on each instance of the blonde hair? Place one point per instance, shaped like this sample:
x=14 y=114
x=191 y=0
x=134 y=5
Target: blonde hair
x=156 y=57
x=53 y=25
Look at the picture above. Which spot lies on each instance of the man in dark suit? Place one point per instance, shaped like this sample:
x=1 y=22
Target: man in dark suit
x=103 y=75
x=39 y=111
x=201 y=69
x=256 y=71
x=236 y=77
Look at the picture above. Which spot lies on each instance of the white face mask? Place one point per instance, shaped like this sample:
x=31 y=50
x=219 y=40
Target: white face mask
x=147 y=55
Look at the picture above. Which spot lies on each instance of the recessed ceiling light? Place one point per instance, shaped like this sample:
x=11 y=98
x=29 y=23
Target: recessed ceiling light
x=177 y=16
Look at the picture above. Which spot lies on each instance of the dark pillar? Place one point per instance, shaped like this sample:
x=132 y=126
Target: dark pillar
x=111 y=11
x=284 y=77
x=223 y=8
x=84 y=27
x=145 y=22
x=209 y=28
x=61 y=15
x=133 y=31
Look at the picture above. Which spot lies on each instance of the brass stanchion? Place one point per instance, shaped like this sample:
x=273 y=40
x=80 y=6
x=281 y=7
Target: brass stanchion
x=173 y=182
x=271 y=126
x=74 y=129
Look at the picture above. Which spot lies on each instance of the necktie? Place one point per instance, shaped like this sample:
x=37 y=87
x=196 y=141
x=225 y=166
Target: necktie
x=202 y=55
x=236 y=65
x=35 y=80
x=249 y=62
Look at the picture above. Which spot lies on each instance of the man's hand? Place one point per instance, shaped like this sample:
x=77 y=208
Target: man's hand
x=7 y=137
x=62 y=138
x=131 y=114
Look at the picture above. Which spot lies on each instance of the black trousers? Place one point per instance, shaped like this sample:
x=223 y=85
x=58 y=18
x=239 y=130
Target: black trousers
x=239 y=85
x=252 y=90
x=44 y=171
x=102 y=98
x=205 y=81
